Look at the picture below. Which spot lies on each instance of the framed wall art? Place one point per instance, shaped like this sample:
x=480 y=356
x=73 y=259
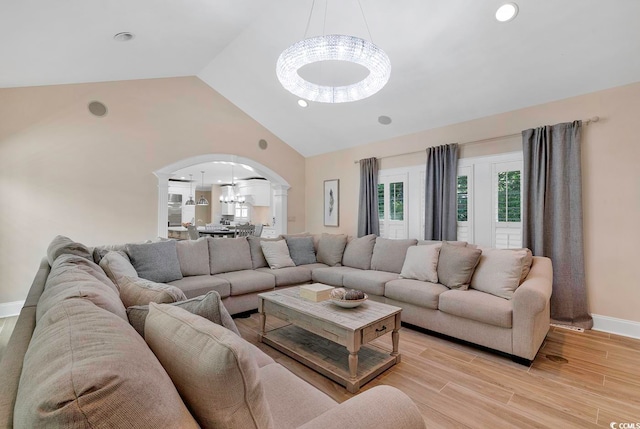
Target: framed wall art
x=331 y=202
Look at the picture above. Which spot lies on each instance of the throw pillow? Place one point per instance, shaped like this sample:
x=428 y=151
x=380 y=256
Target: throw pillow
x=499 y=271
x=157 y=262
x=456 y=265
x=208 y=306
x=117 y=266
x=137 y=291
x=421 y=263
x=301 y=250
x=229 y=254
x=277 y=254
x=213 y=369
x=330 y=249
x=388 y=254
x=358 y=252
x=193 y=257
x=62 y=245
x=257 y=257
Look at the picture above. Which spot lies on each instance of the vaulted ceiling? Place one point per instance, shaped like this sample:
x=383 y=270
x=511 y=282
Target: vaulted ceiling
x=451 y=60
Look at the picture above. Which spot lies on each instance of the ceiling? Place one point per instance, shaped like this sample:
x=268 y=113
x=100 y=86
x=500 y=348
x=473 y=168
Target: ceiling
x=451 y=60
x=216 y=173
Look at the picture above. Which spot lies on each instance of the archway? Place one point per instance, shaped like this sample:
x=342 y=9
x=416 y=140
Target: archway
x=279 y=187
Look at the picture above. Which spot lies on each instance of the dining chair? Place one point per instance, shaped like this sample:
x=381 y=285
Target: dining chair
x=258 y=230
x=244 y=230
x=193 y=232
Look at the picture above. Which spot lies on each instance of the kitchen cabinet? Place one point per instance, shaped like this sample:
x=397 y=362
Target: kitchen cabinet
x=269 y=232
x=257 y=192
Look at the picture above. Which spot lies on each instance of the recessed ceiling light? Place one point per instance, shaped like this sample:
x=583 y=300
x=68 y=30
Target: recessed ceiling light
x=182 y=178
x=125 y=36
x=507 y=12
x=219 y=181
x=384 y=120
x=303 y=103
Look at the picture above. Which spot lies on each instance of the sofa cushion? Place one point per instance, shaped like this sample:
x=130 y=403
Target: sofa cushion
x=89 y=289
x=157 y=261
x=229 y=254
x=358 y=252
x=212 y=368
x=301 y=250
x=478 y=306
x=117 y=266
x=86 y=367
x=292 y=400
x=257 y=257
x=499 y=271
x=199 y=285
x=71 y=267
x=388 y=254
x=421 y=263
x=416 y=292
x=330 y=249
x=248 y=281
x=368 y=281
x=100 y=251
x=137 y=291
x=453 y=243
x=208 y=306
x=332 y=276
x=289 y=275
x=193 y=256
x=456 y=265
x=277 y=254
x=62 y=245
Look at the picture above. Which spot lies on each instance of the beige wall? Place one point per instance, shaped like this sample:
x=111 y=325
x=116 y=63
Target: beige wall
x=611 y=182
x=64 y=171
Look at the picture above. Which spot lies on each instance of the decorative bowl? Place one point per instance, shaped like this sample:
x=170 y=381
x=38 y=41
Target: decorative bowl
x=349 y=303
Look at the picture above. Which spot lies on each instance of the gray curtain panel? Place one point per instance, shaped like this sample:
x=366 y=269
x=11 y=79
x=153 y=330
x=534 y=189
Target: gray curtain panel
x=440 y=222
x=368 y=222
x=552 y=215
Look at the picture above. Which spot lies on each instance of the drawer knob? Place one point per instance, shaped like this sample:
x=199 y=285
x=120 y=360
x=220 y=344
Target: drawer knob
x=384 y=328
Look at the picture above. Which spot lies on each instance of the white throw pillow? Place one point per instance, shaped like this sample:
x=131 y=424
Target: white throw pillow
x=277 y=254
x=421 y=263
x=499 y=271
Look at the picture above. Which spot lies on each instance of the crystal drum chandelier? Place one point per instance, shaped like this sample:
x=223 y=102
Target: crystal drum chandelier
x=333 y=47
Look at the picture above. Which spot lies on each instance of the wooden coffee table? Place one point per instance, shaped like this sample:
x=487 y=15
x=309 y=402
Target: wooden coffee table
x=329 y=339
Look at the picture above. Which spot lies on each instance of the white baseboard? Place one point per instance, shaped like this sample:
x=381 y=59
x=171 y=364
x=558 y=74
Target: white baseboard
x=612 y=325
x=9 y=309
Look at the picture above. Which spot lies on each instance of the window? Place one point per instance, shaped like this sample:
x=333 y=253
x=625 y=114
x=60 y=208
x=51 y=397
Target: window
x=463 y=195
x=392 y=205
x=489 y=200
x=508 y=209
x=241 y=212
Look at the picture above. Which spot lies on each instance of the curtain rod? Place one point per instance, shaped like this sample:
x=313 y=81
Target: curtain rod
x=488 y=139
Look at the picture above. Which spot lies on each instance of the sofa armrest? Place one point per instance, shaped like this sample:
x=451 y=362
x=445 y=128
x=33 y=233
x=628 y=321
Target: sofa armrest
x=379 y=407
x=531 y=309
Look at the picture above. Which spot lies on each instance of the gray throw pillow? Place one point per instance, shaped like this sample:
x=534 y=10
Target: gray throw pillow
x=456 y=265
x=330 y=249
x=62 y=245
x=358 y=252
x=388 y=254
x=157 y=262
x=208 y=306
x=301 y=250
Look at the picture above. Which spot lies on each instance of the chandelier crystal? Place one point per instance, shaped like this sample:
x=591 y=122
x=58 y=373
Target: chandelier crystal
x=232 y=198
x=333 y=47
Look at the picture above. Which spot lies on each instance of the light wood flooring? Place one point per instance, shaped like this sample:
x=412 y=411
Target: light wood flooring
x=578 y=380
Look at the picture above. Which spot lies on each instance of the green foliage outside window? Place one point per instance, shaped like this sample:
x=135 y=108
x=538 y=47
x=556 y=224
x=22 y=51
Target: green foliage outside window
x=509 y=207
x=396 y=201
x=381 y=201
x=462 y=199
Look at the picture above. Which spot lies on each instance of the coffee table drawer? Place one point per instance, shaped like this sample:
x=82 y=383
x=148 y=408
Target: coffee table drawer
x=378 y=329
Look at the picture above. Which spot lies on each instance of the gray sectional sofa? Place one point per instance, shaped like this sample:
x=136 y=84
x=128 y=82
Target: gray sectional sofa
x=79 y=358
